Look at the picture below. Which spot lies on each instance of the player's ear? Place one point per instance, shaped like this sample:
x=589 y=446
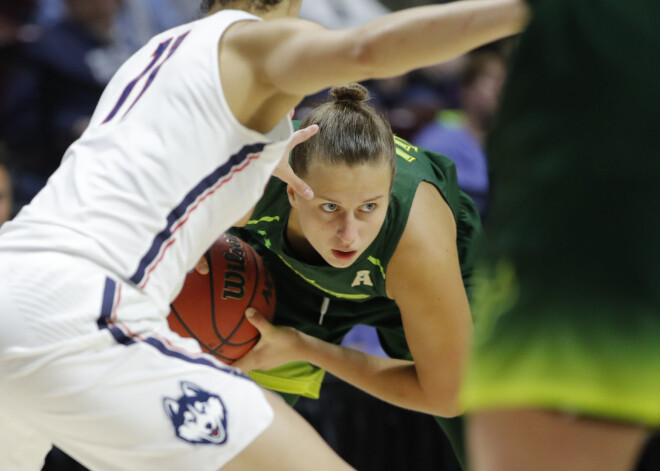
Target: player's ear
x=292 y=196
x=190 y=389
x=171 y=407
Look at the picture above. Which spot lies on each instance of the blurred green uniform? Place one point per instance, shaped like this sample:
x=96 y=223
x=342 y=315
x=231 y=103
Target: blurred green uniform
x=567 y=294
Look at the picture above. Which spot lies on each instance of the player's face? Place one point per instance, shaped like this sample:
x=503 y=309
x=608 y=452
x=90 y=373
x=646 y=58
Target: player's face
x=347 y=211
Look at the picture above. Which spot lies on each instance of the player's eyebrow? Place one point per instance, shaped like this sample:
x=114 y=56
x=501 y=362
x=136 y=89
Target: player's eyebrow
x=332 y=200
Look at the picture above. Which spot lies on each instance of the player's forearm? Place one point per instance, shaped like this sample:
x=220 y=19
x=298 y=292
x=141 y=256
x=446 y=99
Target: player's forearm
x=391 y=380
x=418 y=37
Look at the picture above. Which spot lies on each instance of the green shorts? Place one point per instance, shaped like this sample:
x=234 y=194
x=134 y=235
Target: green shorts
x=596 y=355
x=567 y=296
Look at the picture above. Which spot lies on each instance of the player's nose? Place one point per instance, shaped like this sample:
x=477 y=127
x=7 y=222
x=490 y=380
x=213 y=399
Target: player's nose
x=348 y=230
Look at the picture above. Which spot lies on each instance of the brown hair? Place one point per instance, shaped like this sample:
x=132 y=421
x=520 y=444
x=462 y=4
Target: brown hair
x=351 y=132
x=207 y=5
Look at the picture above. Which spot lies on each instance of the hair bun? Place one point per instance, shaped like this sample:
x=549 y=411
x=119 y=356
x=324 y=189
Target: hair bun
x=351 y=93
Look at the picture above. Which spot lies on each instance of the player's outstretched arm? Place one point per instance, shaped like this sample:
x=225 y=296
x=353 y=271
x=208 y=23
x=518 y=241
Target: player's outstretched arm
x=299 y=57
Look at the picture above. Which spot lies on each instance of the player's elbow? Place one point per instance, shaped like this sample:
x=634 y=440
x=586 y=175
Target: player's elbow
x=441 y=396
x=451 y=410
x=363 y=54
x=445 y=404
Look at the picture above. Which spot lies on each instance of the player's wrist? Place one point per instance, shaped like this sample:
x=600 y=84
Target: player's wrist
x=309 y=348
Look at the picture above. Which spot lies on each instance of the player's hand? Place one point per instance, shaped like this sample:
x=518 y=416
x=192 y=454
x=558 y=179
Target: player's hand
x=284 y=172
x=276 y=346
x=202 y=266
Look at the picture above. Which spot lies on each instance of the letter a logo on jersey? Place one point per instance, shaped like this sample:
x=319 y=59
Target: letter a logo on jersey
x=362 y=278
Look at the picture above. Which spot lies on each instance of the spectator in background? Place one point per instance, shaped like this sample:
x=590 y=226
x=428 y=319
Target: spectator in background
x=6 y=199
x=137 y=21
x=407 y=102
x=460 y=133
x=140 y=20
x=56 y=87
x=15 y=28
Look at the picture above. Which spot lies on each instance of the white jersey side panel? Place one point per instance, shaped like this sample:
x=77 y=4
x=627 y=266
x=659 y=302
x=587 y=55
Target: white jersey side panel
x=163 y=169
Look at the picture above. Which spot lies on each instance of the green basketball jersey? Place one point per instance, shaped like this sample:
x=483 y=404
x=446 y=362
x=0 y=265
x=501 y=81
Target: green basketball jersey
x=325 y=301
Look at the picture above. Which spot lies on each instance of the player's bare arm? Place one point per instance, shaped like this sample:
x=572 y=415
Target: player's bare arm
x=279 y=61
x=437 y=322
x=424 y=278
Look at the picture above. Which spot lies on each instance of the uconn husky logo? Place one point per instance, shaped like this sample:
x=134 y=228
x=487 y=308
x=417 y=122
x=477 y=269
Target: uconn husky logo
x=198 y=416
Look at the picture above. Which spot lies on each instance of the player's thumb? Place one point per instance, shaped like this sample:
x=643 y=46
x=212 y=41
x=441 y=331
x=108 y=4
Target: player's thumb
x=202 y=266
x=256 y=319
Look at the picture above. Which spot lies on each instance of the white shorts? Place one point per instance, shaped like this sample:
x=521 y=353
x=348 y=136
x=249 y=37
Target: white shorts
x=88 y=364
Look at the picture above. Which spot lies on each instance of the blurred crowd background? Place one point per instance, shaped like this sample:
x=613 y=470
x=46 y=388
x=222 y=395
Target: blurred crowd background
x=56 y=56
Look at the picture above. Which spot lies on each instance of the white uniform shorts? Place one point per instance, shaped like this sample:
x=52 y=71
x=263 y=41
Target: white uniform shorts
x=89 y=365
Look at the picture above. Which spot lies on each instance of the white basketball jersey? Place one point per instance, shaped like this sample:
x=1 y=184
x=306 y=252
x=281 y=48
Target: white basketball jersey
x=163 y=169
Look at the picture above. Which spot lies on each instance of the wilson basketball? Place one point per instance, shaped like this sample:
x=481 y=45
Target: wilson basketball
x=211 y=308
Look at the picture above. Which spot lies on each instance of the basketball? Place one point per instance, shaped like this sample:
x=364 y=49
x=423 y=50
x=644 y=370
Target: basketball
x=211 y=308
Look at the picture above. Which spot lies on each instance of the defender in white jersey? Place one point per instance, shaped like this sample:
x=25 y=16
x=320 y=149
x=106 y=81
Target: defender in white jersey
x=180 y=147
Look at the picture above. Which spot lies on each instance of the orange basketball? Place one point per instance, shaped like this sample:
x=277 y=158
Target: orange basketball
x=211 y=308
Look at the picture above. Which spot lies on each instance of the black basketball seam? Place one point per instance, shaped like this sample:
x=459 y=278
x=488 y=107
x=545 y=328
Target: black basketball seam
x=192 y=335
x=185 y=326
x=223 y=341
x=227 y=341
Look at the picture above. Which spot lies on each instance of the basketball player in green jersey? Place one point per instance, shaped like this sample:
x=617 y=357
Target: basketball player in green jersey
x=388 y=240
x=567 y=317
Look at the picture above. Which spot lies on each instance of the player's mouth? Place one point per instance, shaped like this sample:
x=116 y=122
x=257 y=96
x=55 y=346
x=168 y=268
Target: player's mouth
x=344 y=255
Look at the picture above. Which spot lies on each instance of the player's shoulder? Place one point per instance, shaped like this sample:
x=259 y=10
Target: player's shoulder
x=411 y=153
x=247 y=34
x=429 y=228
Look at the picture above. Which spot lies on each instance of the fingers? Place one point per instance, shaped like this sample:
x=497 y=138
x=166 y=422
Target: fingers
x=202 y=266
x=257 y=319
x=301 y=135
x=284 y=171
x=298 y=185
x=249 y=361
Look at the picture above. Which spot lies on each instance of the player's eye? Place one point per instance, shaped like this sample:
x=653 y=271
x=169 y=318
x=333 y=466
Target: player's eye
x=368 y=207
x=329 y=207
